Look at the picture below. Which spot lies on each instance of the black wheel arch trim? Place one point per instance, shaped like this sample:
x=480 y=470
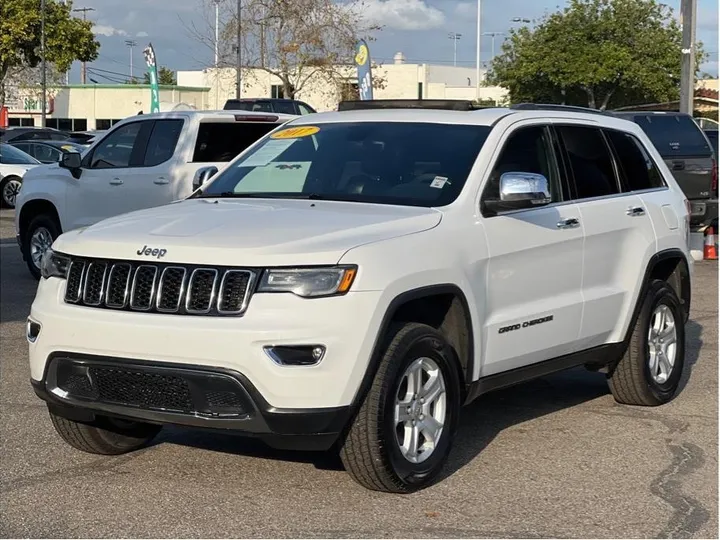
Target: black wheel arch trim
x=381 y=335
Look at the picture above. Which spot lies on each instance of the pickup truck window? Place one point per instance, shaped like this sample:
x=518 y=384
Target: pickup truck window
x=163 y=140
x=219 y=142
x=404 y=163
x=116 y=149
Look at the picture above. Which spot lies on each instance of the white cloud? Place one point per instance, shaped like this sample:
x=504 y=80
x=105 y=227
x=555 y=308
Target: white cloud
x=105 y=30
x=466 y=9
x=403 y=14
x=142 y=34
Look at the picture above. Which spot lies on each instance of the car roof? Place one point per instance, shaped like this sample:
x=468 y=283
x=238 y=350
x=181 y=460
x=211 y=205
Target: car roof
x=221 y=114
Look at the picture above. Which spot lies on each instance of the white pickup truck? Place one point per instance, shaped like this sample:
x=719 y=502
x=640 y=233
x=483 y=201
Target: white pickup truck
x=142 y=162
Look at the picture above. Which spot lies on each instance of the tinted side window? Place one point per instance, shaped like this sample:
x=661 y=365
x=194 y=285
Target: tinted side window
x=589 y=160
x=222 y=141
x=527 y=150
x=637 y=169
x=162 y=143
x=46 y=153
x=116 y=149
x=285 y=107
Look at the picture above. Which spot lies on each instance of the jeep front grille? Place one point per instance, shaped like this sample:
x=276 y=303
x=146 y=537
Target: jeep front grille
x=159 y=288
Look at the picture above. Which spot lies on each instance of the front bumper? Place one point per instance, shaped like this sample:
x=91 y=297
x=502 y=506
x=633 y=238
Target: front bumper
x=345 y=325
x=79 y=387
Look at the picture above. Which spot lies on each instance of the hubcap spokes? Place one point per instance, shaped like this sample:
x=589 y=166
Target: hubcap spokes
x=40 y=242
x=10 y=192
x=420 y=409
x=662 y=344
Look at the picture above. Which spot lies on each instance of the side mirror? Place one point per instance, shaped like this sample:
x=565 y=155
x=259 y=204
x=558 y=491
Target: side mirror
x=70 y=160
x=520 y=190
x=202 y=176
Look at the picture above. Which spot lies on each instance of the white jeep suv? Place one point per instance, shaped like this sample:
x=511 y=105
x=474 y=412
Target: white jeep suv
x=354 y=278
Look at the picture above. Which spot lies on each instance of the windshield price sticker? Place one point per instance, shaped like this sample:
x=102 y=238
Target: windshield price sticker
x=295 y=132
x=268 y=152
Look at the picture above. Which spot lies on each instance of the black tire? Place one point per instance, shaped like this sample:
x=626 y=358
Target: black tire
x=631 y=382
x=106 y=436
x=43 y=220
x=370 y=451
x=3 y=183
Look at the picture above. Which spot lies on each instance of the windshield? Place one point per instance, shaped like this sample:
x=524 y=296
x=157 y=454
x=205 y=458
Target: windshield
x=13 y=156
x=413 y=164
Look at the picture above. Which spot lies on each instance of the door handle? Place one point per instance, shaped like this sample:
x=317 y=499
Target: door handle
x=116 y=182
x=568 y=223
x=636 y=211
x=160 y=181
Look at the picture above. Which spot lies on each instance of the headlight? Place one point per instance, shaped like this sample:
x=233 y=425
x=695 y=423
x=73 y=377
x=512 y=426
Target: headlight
x=54 y=265
x=309 y=282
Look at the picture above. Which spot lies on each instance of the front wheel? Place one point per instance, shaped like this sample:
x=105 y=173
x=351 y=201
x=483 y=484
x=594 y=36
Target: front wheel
x=402 y=434
x=9 y=189
x=37 y=239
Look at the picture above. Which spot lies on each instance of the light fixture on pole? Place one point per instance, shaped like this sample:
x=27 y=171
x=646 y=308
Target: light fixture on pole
x=131 y=43
x=455 y=37
x=477 y=52
x=493 y=34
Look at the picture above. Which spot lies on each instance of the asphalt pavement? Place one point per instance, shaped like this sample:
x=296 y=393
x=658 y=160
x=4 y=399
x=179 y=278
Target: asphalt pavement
x=556 y=457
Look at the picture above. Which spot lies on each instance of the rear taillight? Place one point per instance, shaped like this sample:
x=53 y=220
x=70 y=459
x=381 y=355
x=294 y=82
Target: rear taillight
x=255 y=118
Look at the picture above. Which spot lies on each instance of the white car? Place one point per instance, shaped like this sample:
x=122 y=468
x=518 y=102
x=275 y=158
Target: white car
x=354 y=278
x=144 y=161
x=14 y=163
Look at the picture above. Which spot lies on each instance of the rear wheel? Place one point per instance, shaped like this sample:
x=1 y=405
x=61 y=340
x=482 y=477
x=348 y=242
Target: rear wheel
x=9 y=189
x=106 y=436
x=402 y=434
x=649 y=373
x=37 y=239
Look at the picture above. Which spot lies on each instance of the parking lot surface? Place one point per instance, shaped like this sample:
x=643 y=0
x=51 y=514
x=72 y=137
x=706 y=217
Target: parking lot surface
x=556 y=457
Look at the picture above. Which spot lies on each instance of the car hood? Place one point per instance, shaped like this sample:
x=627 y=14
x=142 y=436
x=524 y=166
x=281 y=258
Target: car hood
x=233 y=232
x=7 y=169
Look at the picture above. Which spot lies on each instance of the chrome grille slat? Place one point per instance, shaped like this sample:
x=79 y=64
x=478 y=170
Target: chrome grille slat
x=166 y=288
x=171 y=289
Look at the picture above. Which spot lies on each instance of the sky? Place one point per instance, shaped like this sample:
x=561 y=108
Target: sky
x=418 y=28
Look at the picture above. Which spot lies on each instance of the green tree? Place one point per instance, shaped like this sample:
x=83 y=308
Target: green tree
x=67 y=38
x=165 y=76
x=595 y=53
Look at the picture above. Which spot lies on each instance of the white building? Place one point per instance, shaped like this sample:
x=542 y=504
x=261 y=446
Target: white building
x=399 y=80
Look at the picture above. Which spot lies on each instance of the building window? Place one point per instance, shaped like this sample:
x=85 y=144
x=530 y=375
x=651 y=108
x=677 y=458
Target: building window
x=67 y=124
x=420 y=90
x=103 y=123
x=21 y=122
x=277 y=91
x=80 y=124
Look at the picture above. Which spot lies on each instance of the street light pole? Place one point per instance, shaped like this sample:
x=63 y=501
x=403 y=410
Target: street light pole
x=477 y=52
x=43 y=99
x=238 y=76
x=217 y=32
x=493 y=34
x=688 y=10
x=131 y=43
x=83 y=66
x=455 y=37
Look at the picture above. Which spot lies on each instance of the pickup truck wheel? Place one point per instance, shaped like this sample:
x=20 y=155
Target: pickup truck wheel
x=401 y=436
x=9 y=189
x=39 y=236
x=108 y=436
x=649 y=372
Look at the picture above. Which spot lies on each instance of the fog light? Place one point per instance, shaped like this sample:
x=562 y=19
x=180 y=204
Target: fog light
x=32 y=330
x=295 y=355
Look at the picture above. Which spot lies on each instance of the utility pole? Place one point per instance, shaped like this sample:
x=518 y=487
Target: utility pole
x=688 y=14
x=131 y=43
x=217 y=33
x=83 y=69
x=238 y=81
x=455 y=37
x=477 y=53
x=493 y=34
x=43 y=99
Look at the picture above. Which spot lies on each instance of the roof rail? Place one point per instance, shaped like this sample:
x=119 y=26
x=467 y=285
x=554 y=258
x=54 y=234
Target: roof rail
x=554 y=107
x=443 y=104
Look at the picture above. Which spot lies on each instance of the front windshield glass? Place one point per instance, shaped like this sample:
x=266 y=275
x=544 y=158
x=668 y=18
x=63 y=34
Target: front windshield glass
x=14 y=156
x=404 y=163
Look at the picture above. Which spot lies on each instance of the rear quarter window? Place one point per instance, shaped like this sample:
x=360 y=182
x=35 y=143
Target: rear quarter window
x=674 y=136
x=222 y=141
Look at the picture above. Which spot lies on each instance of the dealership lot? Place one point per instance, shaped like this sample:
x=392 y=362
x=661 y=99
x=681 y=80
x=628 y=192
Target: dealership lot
x=552 y=458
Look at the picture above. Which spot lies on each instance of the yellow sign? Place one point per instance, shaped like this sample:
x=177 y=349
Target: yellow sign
x=362 y=55
x=295 y=132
